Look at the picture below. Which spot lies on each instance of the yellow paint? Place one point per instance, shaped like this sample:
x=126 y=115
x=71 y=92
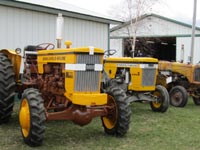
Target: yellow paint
x=133 y=60
x=87 y=99
x=112 y=64
x=68 y=44
x=69 y=81
x=24 y=117
x=62 y=56
x=186 y=70
x=15 y=60
x=110 y=69
x=68 y=56
x=156 y=104
x=71 y=50
x=111 y=120
x=136 y=79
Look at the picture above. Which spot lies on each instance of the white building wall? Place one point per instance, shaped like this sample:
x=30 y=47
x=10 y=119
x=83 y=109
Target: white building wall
x=116 y=44
x=86 y=33
x=153 y=26
x=19 y=28
x=157 y=27
x=183 y=48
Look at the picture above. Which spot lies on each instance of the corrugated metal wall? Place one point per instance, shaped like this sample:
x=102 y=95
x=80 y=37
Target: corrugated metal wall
x=84 y=33
x=157 y=27
x=183 y=47
x=152 y=26
x=117 y=45
x=19 y=27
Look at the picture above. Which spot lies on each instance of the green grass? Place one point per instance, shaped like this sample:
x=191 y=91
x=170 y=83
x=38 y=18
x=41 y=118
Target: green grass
x=177 y=129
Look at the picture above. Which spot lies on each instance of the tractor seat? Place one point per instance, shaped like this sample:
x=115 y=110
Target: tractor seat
x=32 y=48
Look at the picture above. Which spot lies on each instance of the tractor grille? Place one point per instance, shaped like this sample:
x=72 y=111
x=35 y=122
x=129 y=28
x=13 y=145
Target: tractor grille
x=197 y=75
x=89 y=80
x=148 y=76
x=88 y=59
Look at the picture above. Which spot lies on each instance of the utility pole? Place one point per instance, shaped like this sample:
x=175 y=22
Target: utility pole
x=193 y=32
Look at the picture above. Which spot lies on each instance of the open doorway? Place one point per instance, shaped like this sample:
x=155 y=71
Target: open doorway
x=163 y=48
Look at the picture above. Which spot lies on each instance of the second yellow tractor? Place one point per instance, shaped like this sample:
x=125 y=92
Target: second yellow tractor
x=137 y=77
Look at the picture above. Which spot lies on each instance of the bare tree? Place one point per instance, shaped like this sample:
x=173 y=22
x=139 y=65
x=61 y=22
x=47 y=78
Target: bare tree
x=131 y=11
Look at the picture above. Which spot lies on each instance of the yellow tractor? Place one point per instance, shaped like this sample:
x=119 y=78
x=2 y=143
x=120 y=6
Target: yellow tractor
x=181 y=80
x=137 y=77
x=60 y=84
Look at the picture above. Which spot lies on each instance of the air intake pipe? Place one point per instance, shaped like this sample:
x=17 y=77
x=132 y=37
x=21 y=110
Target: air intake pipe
x=59 y=29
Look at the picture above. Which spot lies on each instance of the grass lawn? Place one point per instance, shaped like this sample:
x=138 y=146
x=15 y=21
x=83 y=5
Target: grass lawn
x=177 y=129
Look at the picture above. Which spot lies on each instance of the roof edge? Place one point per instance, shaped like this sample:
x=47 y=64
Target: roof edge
x=178 y=35
x=154 y=15
x=50 y=10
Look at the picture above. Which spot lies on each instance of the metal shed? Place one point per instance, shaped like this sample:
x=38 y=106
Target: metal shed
x=158 y=36
x=25 y=22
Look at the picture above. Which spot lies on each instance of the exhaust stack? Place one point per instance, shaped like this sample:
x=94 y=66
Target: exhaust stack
x=59 y=29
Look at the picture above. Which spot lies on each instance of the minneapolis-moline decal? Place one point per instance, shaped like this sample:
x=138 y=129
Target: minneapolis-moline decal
x=126 y=65
x=54 y=58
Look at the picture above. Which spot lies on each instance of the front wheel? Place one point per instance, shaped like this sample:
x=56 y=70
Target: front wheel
x=118 y=119
x=32 y=117
x=162 y=99
x=178 y=96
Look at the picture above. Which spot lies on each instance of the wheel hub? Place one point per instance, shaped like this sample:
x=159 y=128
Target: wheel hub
x=111 y=119
x=177 y=98
x=156 y=104
x=24 y=117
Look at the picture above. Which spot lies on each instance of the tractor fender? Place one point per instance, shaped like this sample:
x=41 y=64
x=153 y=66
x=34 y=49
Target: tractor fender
x=15 y=59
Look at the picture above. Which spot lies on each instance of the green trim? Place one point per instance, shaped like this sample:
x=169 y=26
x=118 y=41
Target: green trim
x=152 y=15
x=174 y=21
x=55 y=11
x=184 y=35
x=188 y=35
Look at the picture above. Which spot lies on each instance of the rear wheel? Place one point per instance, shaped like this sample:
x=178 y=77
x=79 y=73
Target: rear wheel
x=7 y=88
x=118 y=119
x=178 y=96
x=32 y=117
x=162 y=102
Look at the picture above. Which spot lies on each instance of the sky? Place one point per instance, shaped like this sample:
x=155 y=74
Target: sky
x=181 y=10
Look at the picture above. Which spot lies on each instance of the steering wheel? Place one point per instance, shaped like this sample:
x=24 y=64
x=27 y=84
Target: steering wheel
x=110 y=52
x=46 y=46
